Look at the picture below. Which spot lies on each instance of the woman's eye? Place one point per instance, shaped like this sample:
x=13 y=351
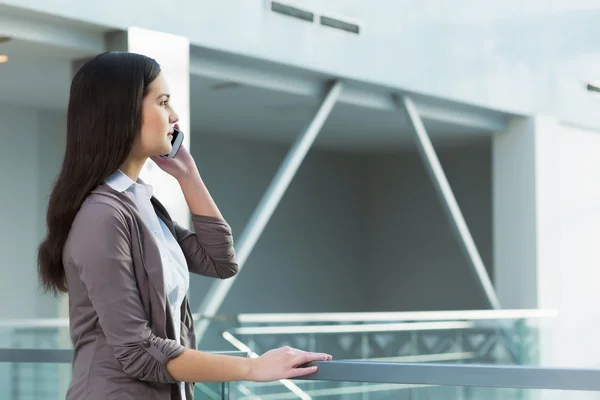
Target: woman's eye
x=163 y=103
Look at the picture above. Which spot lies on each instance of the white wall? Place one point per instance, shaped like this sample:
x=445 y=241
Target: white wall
x=354 y=232
x=547 y=204
x=310 y=257
x=19 y=211
x=414 y=260
x=568 y=214
x=51 y=141
x=29 y=159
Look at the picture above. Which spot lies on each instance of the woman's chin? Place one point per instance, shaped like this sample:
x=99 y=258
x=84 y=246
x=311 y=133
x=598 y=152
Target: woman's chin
x=164 y=151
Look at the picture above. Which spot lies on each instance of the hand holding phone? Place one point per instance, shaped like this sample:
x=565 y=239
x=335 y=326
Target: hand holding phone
x=179 y=162
x=175 y=143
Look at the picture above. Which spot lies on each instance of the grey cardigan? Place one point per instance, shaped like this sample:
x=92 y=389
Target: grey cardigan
x=120 y=325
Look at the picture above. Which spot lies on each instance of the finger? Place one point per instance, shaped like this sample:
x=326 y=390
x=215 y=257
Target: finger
x=303 y=358
x=308 y=357
x=302 y=371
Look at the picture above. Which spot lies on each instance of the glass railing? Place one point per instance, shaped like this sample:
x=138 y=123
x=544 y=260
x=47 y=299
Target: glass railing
x=490 y=337
x=35 y=334
x=509 y=337
x=482 y=336
x=44 y=374
x=448 y=355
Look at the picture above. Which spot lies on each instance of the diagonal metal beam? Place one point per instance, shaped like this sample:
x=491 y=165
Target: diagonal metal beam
x=460 y=228
x=263 y=212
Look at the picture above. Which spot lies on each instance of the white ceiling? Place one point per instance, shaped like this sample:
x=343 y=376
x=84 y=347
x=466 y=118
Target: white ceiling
x=263 y=114
x=39 y=76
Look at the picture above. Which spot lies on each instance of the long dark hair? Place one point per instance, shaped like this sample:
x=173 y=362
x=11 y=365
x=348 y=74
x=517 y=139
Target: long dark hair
x=104 y=117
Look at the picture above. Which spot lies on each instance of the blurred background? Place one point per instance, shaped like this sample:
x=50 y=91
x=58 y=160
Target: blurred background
x=407 y=181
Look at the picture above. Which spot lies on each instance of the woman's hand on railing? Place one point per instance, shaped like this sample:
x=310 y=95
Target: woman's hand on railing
x=284 y=363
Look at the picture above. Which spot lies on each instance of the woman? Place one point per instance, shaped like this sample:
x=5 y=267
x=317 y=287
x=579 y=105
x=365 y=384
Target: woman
x=113 y=247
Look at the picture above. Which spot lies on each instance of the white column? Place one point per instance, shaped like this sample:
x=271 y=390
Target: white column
x=546 y=200
x=514 y=215
x=173 y=54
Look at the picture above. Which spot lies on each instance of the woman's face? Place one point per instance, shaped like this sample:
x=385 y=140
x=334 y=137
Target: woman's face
x=158 y=118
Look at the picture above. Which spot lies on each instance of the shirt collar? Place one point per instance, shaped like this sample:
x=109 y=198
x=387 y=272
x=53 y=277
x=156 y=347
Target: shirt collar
x=119 y=181
x=122 y=183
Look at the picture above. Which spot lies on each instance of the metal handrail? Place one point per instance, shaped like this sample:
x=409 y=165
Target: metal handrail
x=397 y=373
x=457 y=375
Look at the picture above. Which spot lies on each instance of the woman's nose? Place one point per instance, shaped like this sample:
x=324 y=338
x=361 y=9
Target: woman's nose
x=174 y=117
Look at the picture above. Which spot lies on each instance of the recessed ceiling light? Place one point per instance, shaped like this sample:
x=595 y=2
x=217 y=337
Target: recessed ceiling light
x=3 y=58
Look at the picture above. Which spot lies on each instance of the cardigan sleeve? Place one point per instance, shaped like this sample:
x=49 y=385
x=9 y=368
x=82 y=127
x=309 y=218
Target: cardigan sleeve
x=209 y=250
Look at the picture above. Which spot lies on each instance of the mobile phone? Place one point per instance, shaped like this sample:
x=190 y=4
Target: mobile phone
x=175 y=143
